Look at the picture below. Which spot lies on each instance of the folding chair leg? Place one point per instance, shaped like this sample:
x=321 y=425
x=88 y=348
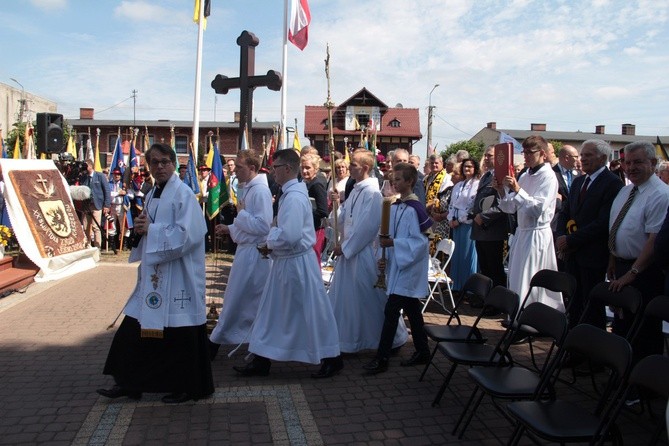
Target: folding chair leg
x=471 y=415
x=429 y=363
x=532 y=356
x=442 y=389
x=466 y=409
x=517 y=435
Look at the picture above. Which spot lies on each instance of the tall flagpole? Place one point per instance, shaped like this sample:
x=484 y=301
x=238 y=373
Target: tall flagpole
x=284 y=69
x=198 y=80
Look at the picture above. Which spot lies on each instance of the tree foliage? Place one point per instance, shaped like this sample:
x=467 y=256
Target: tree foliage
x=474 y=148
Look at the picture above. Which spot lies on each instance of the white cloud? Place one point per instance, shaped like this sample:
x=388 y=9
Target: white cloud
x=49 y=4
x=144 y=11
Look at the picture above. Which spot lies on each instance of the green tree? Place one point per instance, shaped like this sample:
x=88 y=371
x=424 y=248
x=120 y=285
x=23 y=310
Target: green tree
x=19 y=131
x=474 y=148
x=557 y=146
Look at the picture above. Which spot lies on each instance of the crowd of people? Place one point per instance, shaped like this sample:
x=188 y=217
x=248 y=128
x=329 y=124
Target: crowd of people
x=568 y=212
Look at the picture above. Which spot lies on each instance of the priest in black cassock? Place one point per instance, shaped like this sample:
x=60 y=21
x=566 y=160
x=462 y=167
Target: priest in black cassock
x=161 y=345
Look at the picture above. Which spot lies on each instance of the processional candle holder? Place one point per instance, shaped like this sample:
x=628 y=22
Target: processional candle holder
x=384 y=232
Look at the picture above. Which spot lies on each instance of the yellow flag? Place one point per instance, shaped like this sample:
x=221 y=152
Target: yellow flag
x=296 y=141
x=17 y=149
x=98 y=166
x=210 y=156
x=196 y=12
x=71 y=148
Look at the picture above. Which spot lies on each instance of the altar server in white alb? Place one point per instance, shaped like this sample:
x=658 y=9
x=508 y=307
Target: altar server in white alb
x=358 y=306
x=532 y=197
x=249 y=270
x=295 y=321
x=161 y=345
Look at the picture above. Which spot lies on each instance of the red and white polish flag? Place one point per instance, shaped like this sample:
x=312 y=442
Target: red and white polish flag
x=298 y=28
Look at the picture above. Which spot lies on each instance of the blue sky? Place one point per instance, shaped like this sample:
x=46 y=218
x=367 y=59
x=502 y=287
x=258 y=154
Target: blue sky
x=570 y=64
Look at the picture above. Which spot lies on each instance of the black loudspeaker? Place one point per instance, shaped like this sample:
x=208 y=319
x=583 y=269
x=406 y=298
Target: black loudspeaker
x=50 y=133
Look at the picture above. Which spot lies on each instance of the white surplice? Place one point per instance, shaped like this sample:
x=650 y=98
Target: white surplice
x=249 y=270
x=295 y=321
x=170 y=289
x=532 y=246
x=358 y=306
x=407 y=265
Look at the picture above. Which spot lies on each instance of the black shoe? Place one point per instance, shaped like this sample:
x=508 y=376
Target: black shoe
x=330 y=367
x=117 y=392
x=416 y=359
x=177 y=397
x=213 y=349
x=257 y=367
x=376 y=366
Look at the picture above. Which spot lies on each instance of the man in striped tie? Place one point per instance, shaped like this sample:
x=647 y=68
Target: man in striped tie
x=637 y=215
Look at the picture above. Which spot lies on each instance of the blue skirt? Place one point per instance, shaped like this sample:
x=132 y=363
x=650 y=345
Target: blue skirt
x=465 y=261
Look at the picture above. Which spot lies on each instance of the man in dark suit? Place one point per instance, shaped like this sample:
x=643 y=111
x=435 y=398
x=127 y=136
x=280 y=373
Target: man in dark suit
x=583 y=228
x=565 y=174
x=491 y=226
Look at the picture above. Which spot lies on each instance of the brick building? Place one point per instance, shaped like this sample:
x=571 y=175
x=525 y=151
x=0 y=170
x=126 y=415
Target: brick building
x=226 y=133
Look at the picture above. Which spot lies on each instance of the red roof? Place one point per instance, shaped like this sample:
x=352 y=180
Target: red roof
x=316 y=117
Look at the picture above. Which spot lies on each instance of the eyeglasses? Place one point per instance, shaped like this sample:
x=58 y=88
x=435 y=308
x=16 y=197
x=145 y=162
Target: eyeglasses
x=162 y=163
x=529 y=152
x=274 y=166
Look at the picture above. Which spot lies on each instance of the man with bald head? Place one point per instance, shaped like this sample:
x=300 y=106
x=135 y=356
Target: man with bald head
x=402 y=156
x=582 y=227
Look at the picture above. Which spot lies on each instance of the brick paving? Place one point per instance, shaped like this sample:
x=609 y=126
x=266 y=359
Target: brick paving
x=53 y=343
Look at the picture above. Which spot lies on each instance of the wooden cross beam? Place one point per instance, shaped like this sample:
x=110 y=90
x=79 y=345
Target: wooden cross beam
x=246 y=82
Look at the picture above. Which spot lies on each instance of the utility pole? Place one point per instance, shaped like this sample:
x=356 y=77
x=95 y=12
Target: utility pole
x=429 y=119
x=22 y=101
x=134 y=103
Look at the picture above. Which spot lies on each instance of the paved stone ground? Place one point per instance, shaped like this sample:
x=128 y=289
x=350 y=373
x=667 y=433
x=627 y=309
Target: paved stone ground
x=54 y=341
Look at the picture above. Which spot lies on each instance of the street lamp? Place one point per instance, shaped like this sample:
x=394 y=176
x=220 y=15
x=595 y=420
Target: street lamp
x=429 y=119
x=23 y=99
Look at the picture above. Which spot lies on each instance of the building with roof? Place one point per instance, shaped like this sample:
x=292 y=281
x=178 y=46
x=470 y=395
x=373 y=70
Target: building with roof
x=225 y=133
x=490 y=134
x=362 y=115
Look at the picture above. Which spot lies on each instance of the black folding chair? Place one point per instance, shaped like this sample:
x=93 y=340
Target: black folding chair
x=649 y=375
x=516 y=382
x=564 y=421
x=477 y=286
x=501 y=300
x=556 y=281
x=629 y=298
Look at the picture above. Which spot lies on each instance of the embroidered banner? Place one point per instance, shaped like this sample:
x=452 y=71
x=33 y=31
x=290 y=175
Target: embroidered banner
x=44 y=219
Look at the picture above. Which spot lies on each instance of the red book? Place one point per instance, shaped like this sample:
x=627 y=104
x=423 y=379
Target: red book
x=503 y=161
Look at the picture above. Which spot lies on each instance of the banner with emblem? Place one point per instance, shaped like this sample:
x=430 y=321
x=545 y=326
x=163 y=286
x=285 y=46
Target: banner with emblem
x=44 y=219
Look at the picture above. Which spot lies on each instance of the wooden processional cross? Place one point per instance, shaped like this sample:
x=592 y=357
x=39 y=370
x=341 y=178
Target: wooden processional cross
x=246 y=82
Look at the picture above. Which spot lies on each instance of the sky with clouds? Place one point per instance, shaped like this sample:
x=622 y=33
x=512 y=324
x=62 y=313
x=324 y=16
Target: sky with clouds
x=570 y=64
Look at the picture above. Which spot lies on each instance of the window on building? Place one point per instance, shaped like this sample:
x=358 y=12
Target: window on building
x=395 y=123
x=181 y=143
